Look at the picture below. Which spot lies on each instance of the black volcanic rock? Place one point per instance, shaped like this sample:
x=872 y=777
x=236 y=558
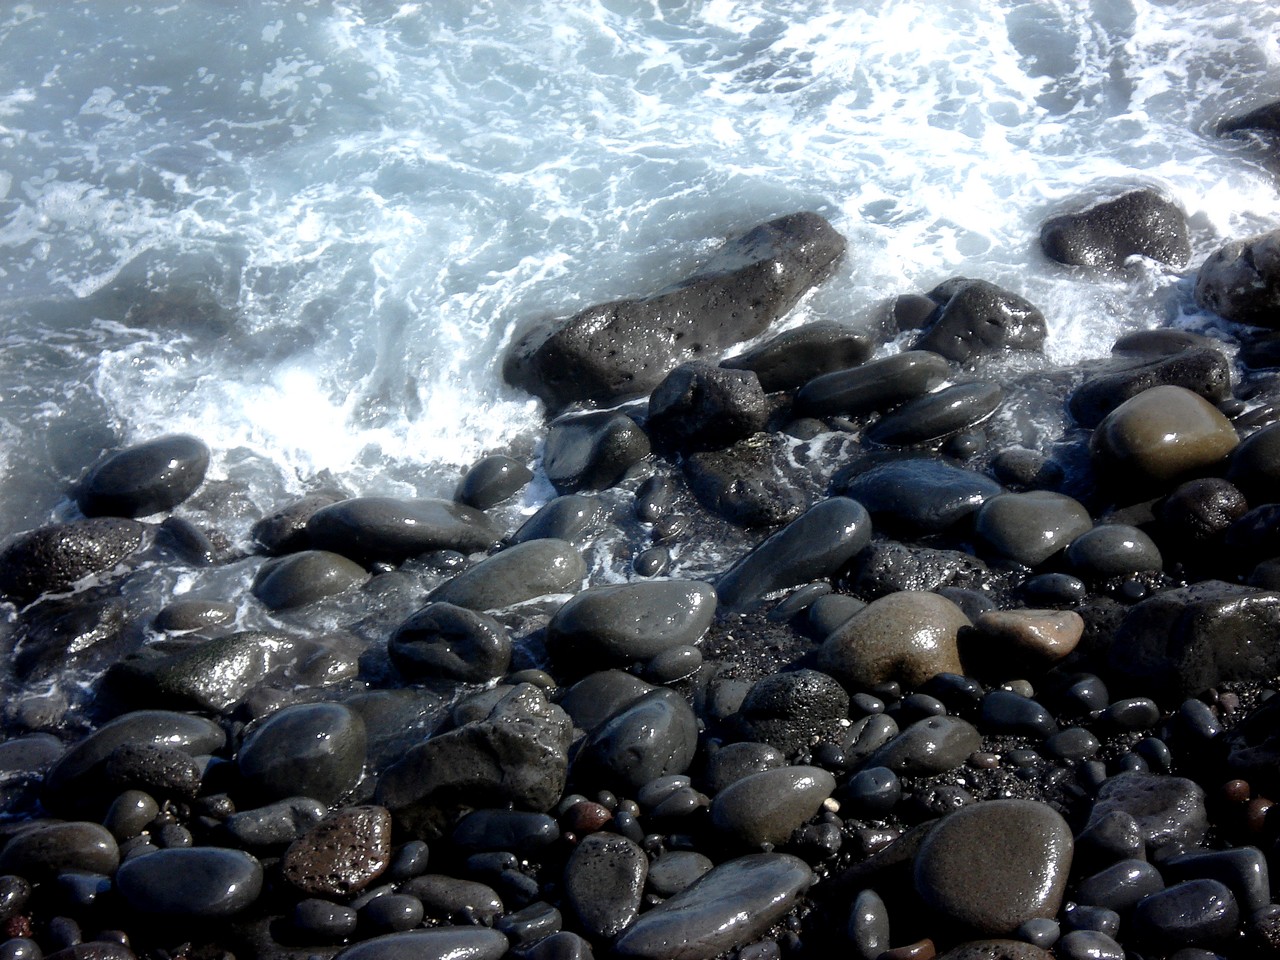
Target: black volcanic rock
x=51 y=559
x=622 y=349
x=144 y=479
x=792 y=359
x=1241 y=281
x=1138 y=223
x=1265 y=119
x=976 y=318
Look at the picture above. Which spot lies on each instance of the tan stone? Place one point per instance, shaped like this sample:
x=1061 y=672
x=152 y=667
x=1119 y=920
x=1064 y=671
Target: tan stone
x=1042 y=636
x=1162 y=434
x=907 y=636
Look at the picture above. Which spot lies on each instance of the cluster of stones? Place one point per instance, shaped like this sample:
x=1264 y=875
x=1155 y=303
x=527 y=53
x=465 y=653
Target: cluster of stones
x=959 y=697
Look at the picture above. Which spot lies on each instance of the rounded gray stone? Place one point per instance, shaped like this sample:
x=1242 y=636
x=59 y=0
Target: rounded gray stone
x=311 y=749
x=390 y=530
x=929 y=746
x=875 y=385
x=144 y=479
x=521 y=572
x=604 y=882
x=992 y=866
x=192 y=882
x=305 y=577
x=45 y=849
x=438 y=943
x=444 y=641
x=1028 y=528
x=655 y=736
x=937 y=415
x=767 y=807
x=1113 y=550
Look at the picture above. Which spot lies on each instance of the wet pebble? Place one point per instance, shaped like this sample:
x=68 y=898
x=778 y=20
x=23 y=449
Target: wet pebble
x=445 y=641
x=655 y=736
x=930 y=746
x=1119 y=886
x=592 y=451
x=385 y=529
x=301 y=578
x=937 y=415
x=1168 y=810
x=604 y=882
x=767 y=807
x=200 y=882
x=570 y=517
x=1243 y=869
x=521 y=572
x=276 y=823
x=1039 y=637
x=1028 y=528
x=144 y=479
x=674 y=871
x=1113 y=550
x=1194 y=912
x=1088 y=945
x=792 y=710
x=44 y=849
x=734 y=761
x=920 y=495
x=453 y=900
x=181 y=616
x=876 y=385
x=453 y=943
x=342 y=854
x=491 y=481
x=313 y=749
x=328 y=921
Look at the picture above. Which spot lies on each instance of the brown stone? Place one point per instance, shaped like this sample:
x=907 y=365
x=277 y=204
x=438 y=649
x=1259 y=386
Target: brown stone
x=1039 y=636
x=907 y=636
x=1162 y=435
x=342 y=854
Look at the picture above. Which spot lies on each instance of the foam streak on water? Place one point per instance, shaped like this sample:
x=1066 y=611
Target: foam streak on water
x=304 y=230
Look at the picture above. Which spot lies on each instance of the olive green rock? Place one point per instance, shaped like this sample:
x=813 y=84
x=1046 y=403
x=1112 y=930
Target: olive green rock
x=1162 y=435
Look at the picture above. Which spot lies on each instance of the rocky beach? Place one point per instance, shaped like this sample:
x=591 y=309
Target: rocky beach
x=950 y=686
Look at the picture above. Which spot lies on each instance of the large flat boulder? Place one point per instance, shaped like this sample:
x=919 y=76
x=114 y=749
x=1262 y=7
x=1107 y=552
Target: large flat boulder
x=624 y=348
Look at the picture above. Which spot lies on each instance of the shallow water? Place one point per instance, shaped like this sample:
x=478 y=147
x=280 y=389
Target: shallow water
x=305 y=231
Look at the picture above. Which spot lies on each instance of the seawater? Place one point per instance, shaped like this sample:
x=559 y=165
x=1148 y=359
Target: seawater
x=304 y=231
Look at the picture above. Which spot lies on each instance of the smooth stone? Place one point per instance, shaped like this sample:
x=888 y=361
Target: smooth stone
x=563 y=945
x=456 y=901
x=276 y=823
x=444 y=641
x=920 y=495
x=597 y=696
x=815 y=545
x=1139 y=223
x=165 y=772
x=1263 y=119
x=1160 y=436
x=389 y=530
x=518 y=831
x=673 y=665
x=793 y=709
x=992 y=866
x=491 y=481
x=1131 y=713
x=975 y=318
x=1028 y=528
x=604 y=882
x=521 y=572
x=309 y=749
x=870 y=794
x=517 y=752
x=1204 y=370
x=60 y=634
x=392 y=913
x=1113 y=550
x=342 y=854
x=927 y=747
x=193 y=883
x=1040 y=637
x=621 y=349
x=876 y=385
x=331 y=922
x=676 y=870
x=793 y=358
x=767 y=808
x=70 y=783
x=1005 y=713
x=830 y=612
x=438 y=943
x=908 y=637
x=937 y=415
x=285 y=530
x=702 y=406
x=1255 y=465
x=619 y=624
x=182 y=616
x=868 y=926
x=530 y=924
x=129 y=814
x=571 y=517
x=655 y=736
x=1243 y=869
x=592 y=451
x=752 y=483
x=45 y=849
x=729 y=907
x=144 y=479
x=301 y=578
x=1241 y=280
x=54 y=558
x=1020 y=469
x=1187 y=914
x=733 y=761
x=1182 y=641
x=1168 y=810
x=1088 y=945
x=1119 y=886
x=1072 y=744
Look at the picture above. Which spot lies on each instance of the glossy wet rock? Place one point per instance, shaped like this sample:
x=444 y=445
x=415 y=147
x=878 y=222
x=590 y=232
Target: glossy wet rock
x=49 y=848
x=373 y=529
x=1030 y=636
x=767 y=807
x=794 y=357
x=619 y=624
x=652 y=737
x=1193 y=912
x=438 y=943
x=976 y=317
x=909 y=637
x=730 y=906
x=1113 y=550
x=1241 y=280
x=491 y=481
x=793 y=710
x=52 y=559
x=937 y=415
x=144 y=479
x=285 y=530
x=571 y=517
x=516 y=753
x=1167 y=809
x=750 y=483
x=313 y=749
x=444 y=641
x=193 y=883
x=520 y=572
x=1161 y=436
x=817 y=544
x=701 y=406
x=604 y=882
x=342 y=854
x=928 y=746
x=624 y=348
x=1204 y=370
x=876 y=385
x=305 y=577
x=920 y=495
x=1028 y=528
x=592 y=451
x=994 y=865
x=1140 y=223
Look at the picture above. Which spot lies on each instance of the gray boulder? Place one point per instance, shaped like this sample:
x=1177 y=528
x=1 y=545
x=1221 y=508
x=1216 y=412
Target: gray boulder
x=976 y=318
x=51 y=559
x=1241 y=281
x=1138 y=223
x=699 y=406
x=624 y=348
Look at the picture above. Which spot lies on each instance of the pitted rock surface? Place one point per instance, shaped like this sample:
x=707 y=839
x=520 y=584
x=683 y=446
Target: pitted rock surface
x=342 y=854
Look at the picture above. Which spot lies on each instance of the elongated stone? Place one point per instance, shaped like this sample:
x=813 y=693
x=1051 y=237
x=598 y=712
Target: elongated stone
x=521 y=572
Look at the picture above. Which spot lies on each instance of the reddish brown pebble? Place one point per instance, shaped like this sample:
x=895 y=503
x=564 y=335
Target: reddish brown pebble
x=920 y=950
x=1042 y=636
x=1236 y=791
x=984 y=761
x=1255 y=814
x=342 y=854
x=586 y=817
